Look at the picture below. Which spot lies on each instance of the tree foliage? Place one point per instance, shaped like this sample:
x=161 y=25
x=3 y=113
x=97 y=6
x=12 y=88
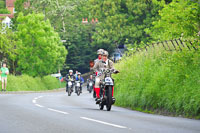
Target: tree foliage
x=134 y=22
x=179 y=18
x=123 y=20
x=39 y=49
x=65 y=17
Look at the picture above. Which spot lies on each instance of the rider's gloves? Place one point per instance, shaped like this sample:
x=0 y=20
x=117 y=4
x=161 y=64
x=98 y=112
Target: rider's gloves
x=116 y=71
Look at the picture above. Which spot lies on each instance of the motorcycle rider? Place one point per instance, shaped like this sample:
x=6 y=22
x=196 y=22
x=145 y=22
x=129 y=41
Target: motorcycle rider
x=79 y=78
x=99 y=53
x=104 y=63
x=70 y=77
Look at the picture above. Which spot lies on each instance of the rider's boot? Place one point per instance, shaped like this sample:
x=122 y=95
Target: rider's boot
x=113 y=100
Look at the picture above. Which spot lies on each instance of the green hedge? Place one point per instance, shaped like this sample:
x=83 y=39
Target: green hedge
x=28 y=83
x=4 y=11
x=160 y=81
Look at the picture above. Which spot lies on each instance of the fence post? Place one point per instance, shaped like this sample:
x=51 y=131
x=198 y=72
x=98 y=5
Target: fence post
x=183 y=44
x=163 y=45
x=153 y=45
x=173 y=44
x=146 y=48
x=168 y=46
x=178 y=44
x=192 y=45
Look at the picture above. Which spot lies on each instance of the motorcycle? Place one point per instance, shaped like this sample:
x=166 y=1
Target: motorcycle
x=90 y=86
x=70 y=87
x=107 y=85
x=78 y=87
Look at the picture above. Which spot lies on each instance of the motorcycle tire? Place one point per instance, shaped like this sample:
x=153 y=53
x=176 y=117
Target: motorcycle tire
x=69 y=92
x=90 y=90
x=78 y=92
x=109 y=98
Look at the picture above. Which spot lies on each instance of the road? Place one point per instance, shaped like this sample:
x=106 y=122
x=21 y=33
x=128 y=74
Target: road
x=55 y=112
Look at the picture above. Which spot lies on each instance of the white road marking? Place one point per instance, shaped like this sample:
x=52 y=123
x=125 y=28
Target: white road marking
x=34 y=101
x=102 y=122
x=39 y=105
x=58 y=111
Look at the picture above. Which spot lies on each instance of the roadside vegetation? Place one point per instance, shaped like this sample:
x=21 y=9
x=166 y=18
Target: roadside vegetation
x=160 y=81
x=28 y=83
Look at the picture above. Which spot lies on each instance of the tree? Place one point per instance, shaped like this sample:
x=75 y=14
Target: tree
x=65 y=16
x=40 y=51
x=179 y=18
x=123 y=21
x=120 y=22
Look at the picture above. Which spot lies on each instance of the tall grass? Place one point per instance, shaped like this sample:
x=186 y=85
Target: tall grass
x=28 y=83
x=162 y=81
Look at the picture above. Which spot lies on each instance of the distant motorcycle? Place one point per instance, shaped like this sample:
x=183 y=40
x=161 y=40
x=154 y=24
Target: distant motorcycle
x=107 y=84
x=90 y=86
x=70 y=87
x=78 y=87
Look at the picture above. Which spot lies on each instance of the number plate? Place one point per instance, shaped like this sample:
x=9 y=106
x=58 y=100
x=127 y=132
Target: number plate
x=69 y=83
x=108 y=79
x=78 y=84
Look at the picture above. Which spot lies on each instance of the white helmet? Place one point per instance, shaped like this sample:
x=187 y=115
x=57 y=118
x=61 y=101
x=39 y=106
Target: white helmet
x=70 y=71
x=100 y=51
x=105 y=53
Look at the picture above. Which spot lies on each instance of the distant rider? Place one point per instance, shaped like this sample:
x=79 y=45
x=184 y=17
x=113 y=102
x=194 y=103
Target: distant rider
x=89 y=80
x=70 y=77
x=79 y=78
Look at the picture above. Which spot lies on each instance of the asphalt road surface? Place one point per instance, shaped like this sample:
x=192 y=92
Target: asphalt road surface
x=55 y=112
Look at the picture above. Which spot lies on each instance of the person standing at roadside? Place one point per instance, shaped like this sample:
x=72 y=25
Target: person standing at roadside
x=4 y=72
x=76 y=74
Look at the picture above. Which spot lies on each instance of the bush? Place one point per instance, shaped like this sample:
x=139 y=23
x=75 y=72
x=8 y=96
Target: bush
x=2 y=4
x=28 y=83
x=160 y=80
x=4 y=11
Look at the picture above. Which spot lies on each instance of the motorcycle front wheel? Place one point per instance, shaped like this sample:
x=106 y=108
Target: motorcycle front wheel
x=90 y=89
x=69 y=92
x=109 y=98
x=78 y=91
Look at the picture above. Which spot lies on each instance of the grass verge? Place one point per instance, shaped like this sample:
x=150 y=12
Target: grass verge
x=28 y=83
